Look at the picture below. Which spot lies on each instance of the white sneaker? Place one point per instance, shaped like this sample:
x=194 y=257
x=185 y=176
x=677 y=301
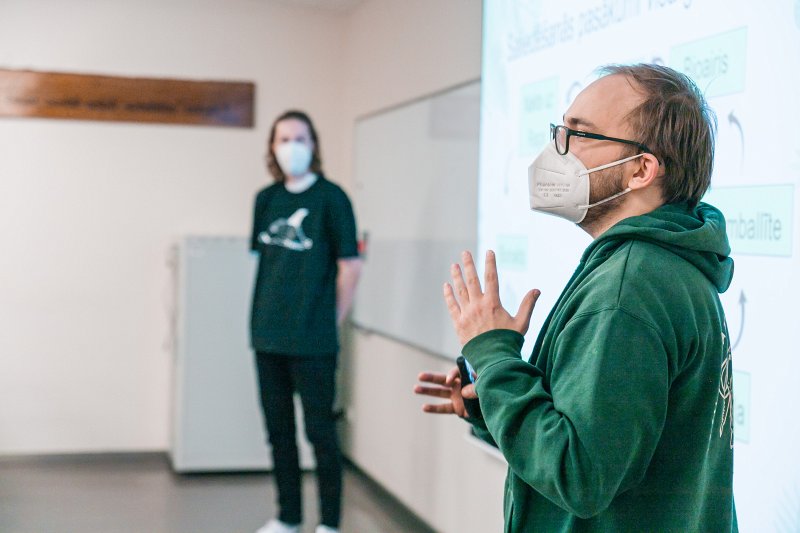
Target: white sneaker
x=276 y=526
x=325 y=529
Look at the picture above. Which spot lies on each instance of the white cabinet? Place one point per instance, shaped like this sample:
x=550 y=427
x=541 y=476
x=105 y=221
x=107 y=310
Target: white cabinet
x=216 y=415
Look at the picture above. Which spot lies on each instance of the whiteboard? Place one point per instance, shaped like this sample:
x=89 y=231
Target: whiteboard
x=416 y=183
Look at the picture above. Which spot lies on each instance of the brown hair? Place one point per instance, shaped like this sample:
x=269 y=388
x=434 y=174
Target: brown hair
x=675 y=122
x=316 y=160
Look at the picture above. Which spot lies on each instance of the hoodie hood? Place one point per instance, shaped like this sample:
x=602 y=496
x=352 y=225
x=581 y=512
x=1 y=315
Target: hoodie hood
x=695 y=234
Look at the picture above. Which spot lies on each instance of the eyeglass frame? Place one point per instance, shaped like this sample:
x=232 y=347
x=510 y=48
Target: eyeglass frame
x=587 y=135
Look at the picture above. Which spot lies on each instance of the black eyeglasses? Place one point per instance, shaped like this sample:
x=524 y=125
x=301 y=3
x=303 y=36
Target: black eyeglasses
x=561 y=135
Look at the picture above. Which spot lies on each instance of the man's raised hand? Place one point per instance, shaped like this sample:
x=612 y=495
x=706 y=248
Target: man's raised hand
x=473 y=311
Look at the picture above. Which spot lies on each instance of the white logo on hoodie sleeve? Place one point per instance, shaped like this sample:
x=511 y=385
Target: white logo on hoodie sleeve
x=726 y=389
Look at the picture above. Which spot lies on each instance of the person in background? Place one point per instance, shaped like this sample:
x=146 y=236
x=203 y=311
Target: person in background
x=304 y=233
x=621 y=420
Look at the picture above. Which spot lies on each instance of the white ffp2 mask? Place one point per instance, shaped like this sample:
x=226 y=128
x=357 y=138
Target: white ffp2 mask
x=294 y=158
x=559 y=184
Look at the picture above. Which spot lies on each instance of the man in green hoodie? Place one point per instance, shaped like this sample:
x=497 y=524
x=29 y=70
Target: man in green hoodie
x=621 y=418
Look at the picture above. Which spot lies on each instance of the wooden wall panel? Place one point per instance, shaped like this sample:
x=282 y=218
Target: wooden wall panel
x=114 y=98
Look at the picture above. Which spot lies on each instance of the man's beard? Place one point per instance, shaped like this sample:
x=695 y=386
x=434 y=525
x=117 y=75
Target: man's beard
x=603 y=184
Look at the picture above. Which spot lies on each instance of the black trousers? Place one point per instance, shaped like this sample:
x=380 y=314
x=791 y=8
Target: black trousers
x=313 y=377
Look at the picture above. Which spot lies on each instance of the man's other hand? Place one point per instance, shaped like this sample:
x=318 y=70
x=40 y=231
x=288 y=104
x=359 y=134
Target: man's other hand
x=447 y=387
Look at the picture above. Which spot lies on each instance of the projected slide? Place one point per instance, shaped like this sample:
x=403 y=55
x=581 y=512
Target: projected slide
x=745 y=56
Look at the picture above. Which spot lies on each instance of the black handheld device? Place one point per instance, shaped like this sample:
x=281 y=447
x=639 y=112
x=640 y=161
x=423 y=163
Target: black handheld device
x=472 y=405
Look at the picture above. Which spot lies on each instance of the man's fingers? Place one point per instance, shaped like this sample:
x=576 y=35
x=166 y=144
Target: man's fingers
x=468 y=392
x=471 y=276
x=491 y=285
x=432 y=377
x=523 y=318
x=452 y=303
x=458 y=283
x=452 y=376
x=436 y=392
x=439 y=409
x=450 y=390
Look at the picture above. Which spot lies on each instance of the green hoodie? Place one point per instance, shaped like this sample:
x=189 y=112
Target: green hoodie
x=621 y=419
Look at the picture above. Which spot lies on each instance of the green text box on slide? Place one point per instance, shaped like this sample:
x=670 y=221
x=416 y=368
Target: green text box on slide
x=717 y=64
x=538 y=108
x=741 y=406
x=512 y=252
x=758 y=218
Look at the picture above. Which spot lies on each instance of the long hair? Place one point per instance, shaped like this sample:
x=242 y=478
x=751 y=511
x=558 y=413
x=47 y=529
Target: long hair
x=676 y=123
x=316 y=160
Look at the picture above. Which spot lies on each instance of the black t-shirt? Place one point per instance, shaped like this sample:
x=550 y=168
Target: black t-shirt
x=299 y=237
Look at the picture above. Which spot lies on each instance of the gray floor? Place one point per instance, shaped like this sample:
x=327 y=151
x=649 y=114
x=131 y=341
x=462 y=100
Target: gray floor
x=138 y=493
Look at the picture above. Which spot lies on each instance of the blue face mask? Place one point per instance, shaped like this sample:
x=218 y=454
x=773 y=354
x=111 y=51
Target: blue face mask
x=294 y=158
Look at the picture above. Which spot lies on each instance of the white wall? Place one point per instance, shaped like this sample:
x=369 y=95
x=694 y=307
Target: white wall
x=88 y=210
x=397 y=51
